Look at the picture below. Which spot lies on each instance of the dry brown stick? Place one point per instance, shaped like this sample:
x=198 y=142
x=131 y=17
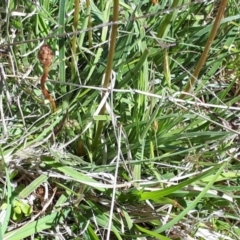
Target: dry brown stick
x=208 y=45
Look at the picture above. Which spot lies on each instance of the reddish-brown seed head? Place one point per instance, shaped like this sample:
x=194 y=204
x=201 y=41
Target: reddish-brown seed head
x=45 y=55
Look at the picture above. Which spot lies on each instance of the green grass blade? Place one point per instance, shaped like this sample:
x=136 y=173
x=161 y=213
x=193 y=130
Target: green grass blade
x=193 y=204
x=33 y=186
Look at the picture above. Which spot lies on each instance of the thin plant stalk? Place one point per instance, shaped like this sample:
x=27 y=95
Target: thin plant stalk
x=90 y=39
x=109 y=67
x=209 y=42
x=75 y=25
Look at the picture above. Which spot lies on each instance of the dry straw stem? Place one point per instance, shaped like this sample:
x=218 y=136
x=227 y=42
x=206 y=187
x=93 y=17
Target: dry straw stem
x=109 y=66
x=90 y=33
x=75 y=25
x=209 y=42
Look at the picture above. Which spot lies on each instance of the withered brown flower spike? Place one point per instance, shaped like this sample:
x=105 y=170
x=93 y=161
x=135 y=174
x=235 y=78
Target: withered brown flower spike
x=45 y=56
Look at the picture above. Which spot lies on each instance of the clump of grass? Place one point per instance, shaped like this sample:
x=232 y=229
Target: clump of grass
x=134 y=159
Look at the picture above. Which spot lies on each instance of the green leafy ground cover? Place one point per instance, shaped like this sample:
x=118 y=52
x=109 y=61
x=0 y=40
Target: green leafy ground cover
x=150 y=146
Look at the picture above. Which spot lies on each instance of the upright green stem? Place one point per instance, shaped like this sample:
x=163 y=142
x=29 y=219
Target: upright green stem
x=61 y=44
x=109 y=67
x=75 y=26
x=168 y=19
x=204 y=55
x=89 y=25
